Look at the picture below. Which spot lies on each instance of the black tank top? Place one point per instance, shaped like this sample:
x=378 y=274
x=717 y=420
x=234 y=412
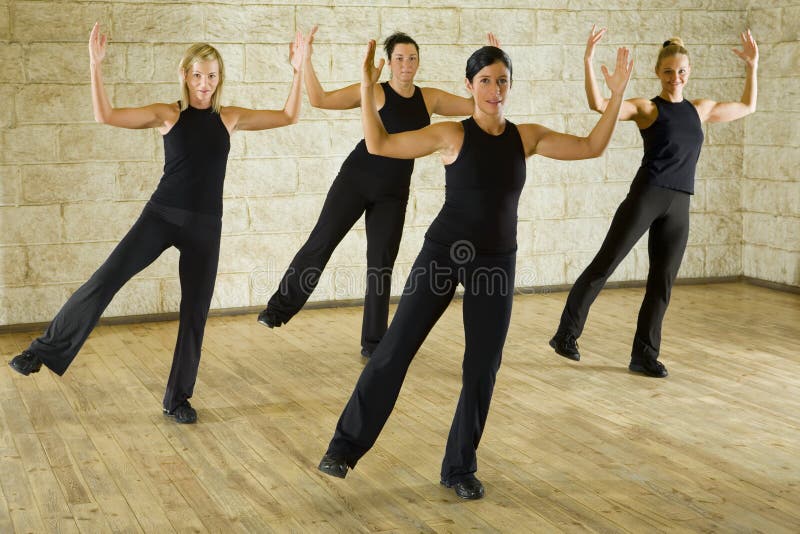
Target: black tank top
x=195 y=157
x=671 y=146
x=399 y=114
x=482 y=191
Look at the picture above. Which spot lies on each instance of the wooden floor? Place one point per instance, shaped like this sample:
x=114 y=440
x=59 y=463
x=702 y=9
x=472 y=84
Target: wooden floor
x=569 y=447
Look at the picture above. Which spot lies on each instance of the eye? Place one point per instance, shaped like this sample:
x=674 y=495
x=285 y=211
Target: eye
x=502 y=81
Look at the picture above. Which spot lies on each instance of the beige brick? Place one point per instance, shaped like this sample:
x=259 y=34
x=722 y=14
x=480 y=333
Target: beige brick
x=158 y=23
x=267 y=63
x=7 y=94
x=144 y=94
x=438 y=64
x=723 y=196
x=717 y=27
x=773 y=128
x=5 y=28
x=137 y=180
x=9 y=185
x=60 y=63
x=558 y=97
x=778 y=94
x=630 y=27
x=411 y=244
x=15 y=304
x=137 y=297
x=51 y=21
x=424 y=205
x=424 y=26
x=723 y=260
x=770 y=264
x=351 y=252
x=11 y=57
x=101 y=142
x=510 y=4
x=512 y=26
x=24 y=225
x=260 y=177
x=263 y=24
x=715 y=61
x=693 y=264
x=776 y=232
x=271 y=96
x=715 y=229
x=72 y=263
x=626 y=134
x=68 y=182
x=139 y=62
x=720 y=162
x=53 y=104
x=790 y=16
x=28 y=144
x=576 y=263
x=428 y=173
x=623 y=163
x=569 y=235
x=541 y=270
x=592 y=200
x=13 y=266
x=777 y=198
x=235 y=218
x=771 y=163
x=342 y=24
x=542 y=202
x=286 y=213
x=724 y=133
x=230 y=291
x=316 y=174
x=305 y=138
x=567 y=27
x=80 y=220
x=765 y=24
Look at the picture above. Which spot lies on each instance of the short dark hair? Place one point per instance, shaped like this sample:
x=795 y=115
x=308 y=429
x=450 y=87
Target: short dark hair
x=485 y=56
x=395 y=39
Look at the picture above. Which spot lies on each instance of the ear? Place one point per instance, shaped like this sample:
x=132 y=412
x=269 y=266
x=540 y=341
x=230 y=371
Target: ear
x=468 y=85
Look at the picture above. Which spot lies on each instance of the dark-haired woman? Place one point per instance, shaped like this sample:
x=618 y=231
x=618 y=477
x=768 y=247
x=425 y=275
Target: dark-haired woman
x=367 y=184
x=471 y=242
x=658 y=201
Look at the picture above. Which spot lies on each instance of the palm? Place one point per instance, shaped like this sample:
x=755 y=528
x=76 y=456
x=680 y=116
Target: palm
x=594 y=37
x=370 y=73
x=749 y=51
x=297 y=51
x=97 y=44
x=618 y=80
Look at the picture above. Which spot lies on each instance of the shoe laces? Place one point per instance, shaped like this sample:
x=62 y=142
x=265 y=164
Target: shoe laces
x=570 y=341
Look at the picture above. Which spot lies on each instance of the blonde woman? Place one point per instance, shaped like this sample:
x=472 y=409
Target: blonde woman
x=184 y=212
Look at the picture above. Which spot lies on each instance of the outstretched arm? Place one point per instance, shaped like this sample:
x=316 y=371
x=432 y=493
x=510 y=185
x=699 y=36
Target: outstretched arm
x=348 y=97
x=404 y=145
x=539 y=140
x=712 y=111
x=264 y=119
x=152 y=116
x=628 y=110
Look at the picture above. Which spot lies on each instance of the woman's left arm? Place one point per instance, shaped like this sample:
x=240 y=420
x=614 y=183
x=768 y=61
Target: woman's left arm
x=264 y=119
x=712 y=111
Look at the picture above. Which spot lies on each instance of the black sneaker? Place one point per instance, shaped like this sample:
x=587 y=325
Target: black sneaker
x=469 y=488
x=267 y=318
x=183 y=413
x=26 y=363
x=566 y=345
x=648 y=367
x=335 y=466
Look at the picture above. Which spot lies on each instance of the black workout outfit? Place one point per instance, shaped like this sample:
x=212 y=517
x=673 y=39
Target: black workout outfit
x=472 y=241
x=659 y=201
x=366 y=183
x=185 y=211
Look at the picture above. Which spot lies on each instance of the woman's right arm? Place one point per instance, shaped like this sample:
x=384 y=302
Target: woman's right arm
x=152 y=116
x=630 y=109
x=443 y=137
x=345 y=98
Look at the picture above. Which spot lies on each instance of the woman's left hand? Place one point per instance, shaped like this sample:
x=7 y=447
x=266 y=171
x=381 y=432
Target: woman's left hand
x=297 y=51
x=493 y=40
x=622 y=72
x=749 y=52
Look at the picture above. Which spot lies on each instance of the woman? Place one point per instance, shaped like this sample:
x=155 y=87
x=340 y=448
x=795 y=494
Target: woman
x=658 y=200
x=374 y=185
x=472 y=241
x=185 y=211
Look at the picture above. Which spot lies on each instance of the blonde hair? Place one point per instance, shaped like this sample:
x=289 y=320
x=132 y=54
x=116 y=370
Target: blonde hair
x=671 y=47
x=195 y=53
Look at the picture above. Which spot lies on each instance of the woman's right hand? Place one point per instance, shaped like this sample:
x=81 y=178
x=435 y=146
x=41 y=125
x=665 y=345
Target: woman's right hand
x=370 y=74
x=310 y=41
x=97 y=45
x=594 y=36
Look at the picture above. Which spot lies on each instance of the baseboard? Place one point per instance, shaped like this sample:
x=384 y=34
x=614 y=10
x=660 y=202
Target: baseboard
x=535 y=290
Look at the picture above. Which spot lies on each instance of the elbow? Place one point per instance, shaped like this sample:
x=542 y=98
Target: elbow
x=100 y=118
x=373 y=147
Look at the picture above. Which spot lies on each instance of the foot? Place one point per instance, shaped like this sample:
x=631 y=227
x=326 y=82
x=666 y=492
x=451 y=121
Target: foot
x=267 y=318
x=333 y=465
x=183 y=413
x=26 y=363
x=648 y=367
x=469 y=488
x=566 y=345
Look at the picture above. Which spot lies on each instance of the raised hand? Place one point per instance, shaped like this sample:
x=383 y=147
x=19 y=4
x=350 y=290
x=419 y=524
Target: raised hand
x=493 y=40
x=618 y=80
x=310 y=41
x=297 y=51
x=97 y=45
x=370 y=73
x=594 y=36
x=749 y=52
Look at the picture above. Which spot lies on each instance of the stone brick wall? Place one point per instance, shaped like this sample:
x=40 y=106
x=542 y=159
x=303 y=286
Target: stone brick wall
x=70 y=188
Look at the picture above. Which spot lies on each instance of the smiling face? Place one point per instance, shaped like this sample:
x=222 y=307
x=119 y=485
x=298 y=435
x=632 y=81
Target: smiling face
x=489 y=88
x=404 y=62
x=201 y=80
x=673 y=71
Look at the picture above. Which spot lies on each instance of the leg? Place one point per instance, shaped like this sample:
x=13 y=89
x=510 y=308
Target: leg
x=144 y=242
x=384 y=221
x=199 y=248
x=630 y=222
x=487 y=312
x=666 y=245
x=429 y=289
x=343 y=206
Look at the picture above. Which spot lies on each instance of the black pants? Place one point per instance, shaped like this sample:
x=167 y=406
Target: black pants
x=488 y=282
x=353 y=192
x=197 y=238
x=665 y=212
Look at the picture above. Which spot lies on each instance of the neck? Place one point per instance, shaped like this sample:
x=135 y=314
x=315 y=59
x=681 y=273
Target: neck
x=492 y=124
x=672 y=97
x=405 y=89
x=199 y=104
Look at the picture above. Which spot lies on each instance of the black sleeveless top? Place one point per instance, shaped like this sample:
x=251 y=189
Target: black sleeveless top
x=671 y=146
x=195 y=156
x=399 y=114
x=482 y=191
